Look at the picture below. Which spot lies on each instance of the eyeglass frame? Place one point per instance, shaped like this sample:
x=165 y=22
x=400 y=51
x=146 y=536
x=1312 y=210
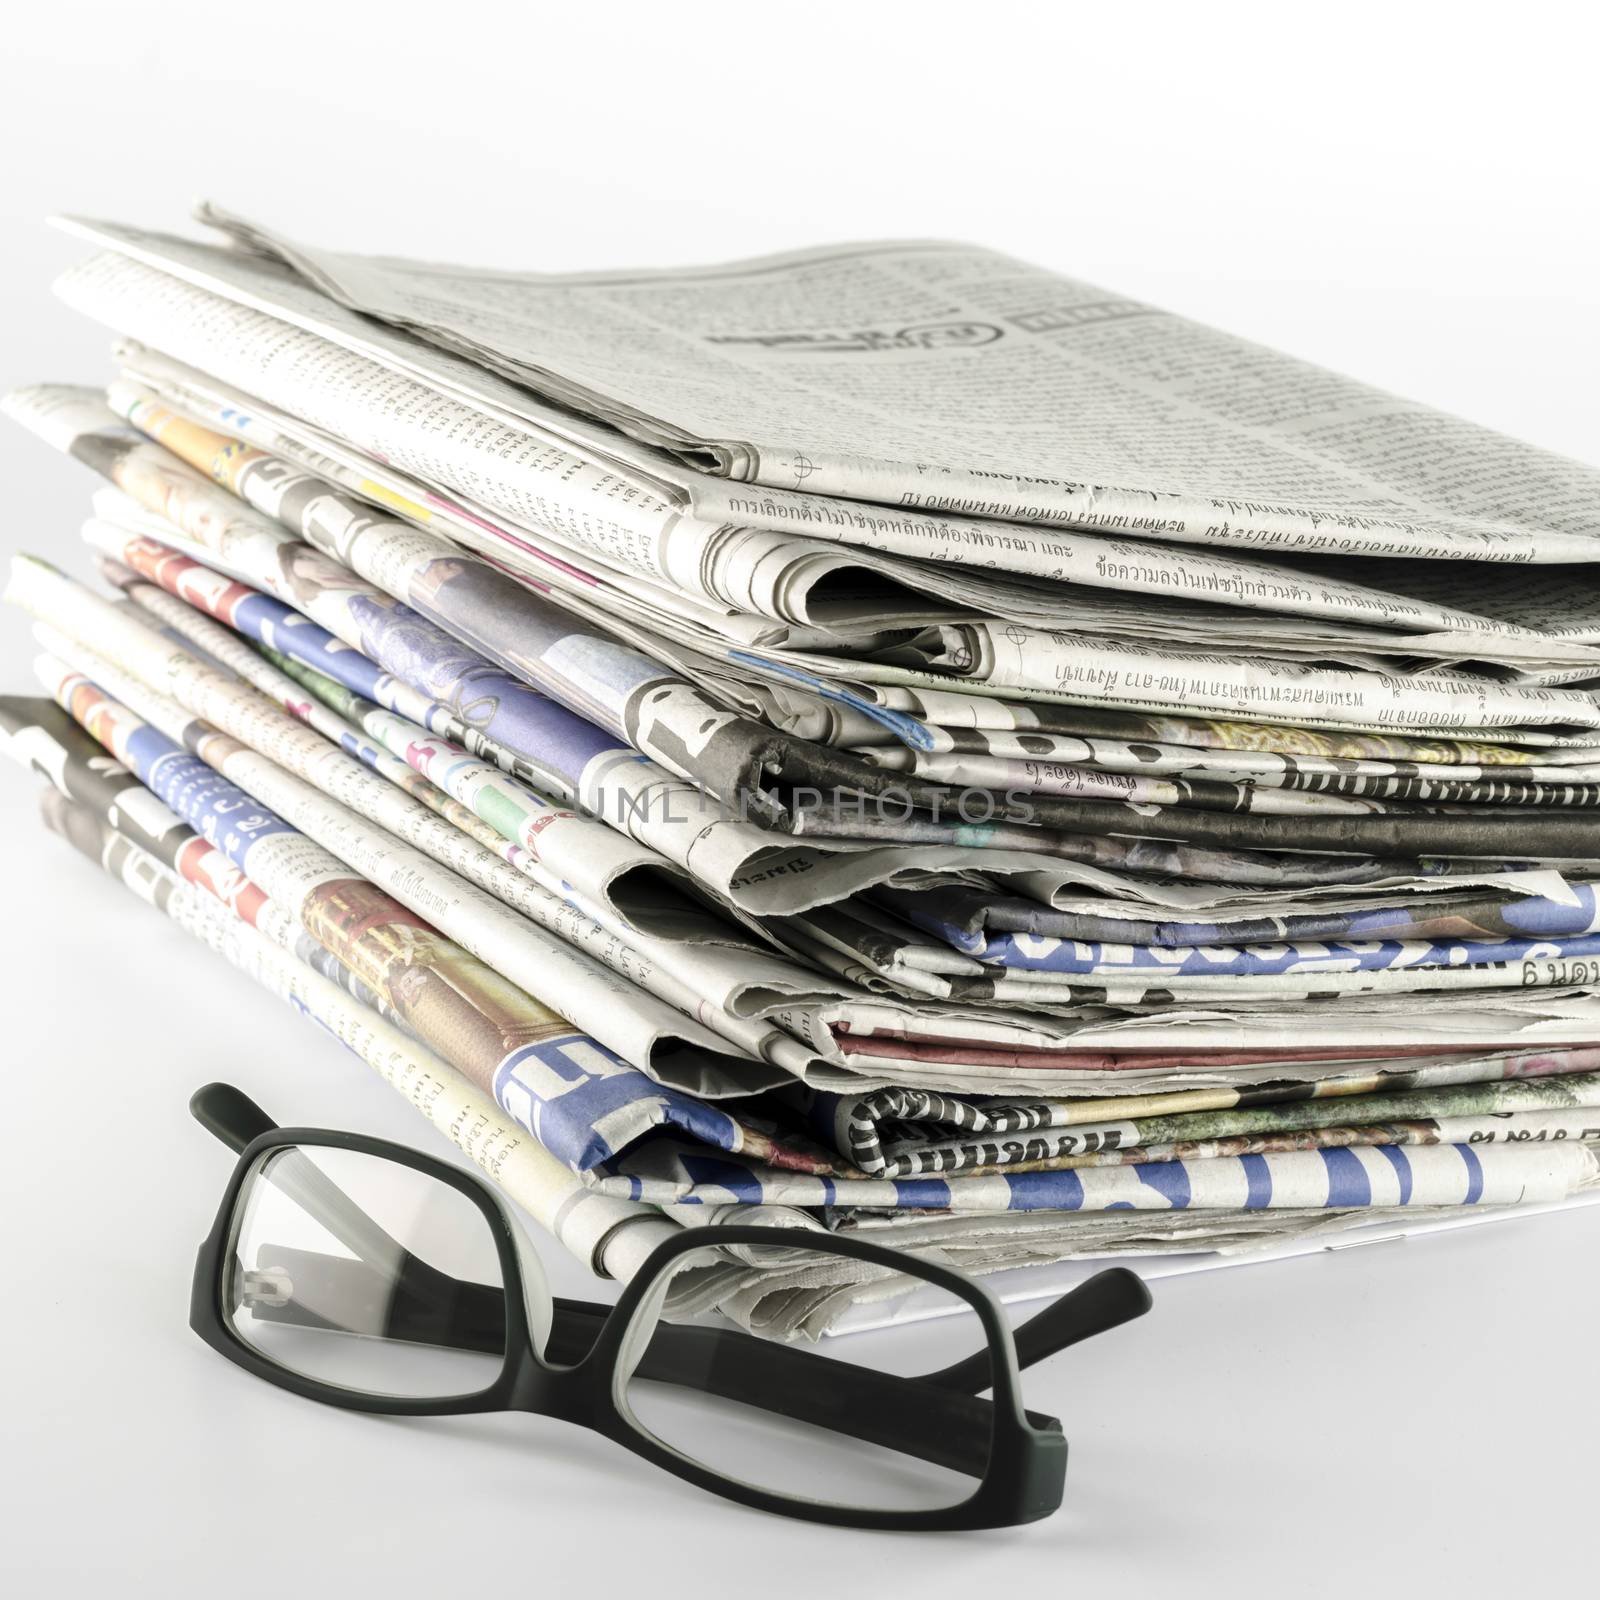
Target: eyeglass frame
x=1023 y=1479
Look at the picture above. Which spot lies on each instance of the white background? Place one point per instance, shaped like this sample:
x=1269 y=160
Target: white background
x=1403 y=192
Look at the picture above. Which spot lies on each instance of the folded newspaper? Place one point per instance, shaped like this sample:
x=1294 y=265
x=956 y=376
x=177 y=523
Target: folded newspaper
x=886 y=738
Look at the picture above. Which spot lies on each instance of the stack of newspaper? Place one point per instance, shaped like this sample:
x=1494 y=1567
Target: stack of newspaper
x=888 y=735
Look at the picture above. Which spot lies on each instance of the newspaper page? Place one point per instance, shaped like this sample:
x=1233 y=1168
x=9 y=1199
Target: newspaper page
x=940 y=1134
x=318 y=511
x=258 y=619
x=879 y=1129
x=1558 y=974
x=673 y=947
x=1553 y=968
x=1476 y=1175
x=1237 y=800
x=1064 y=764
x=948 y=375
x=1246 y=599
x=333 y=595
x=1387 y=703
x=742 y=864
x=982 y=922
x=669 y=945
x=1095 y=1053
x=39 y=734
x=110 y=793
x=153 y=308
x=1031 y=978
x=1381 y=1175
x=1070 y=972
x=738 y=972
x=490 y=924
x=570 y=1092
x=103 y=671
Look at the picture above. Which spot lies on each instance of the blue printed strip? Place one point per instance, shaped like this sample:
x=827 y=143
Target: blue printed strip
x=219 y=811
x=1331 y=1179
x=1531 y=916
x=1348 y=1183
x=404 y=648
x=584 y=1105
x=1025 y=952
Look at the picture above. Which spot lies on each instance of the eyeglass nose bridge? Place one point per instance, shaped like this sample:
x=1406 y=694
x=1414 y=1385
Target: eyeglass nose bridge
x=565 y=1393
x=546 y=1384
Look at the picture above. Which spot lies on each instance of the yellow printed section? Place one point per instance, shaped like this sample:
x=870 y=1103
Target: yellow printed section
x=388 y=497
x=214 y=454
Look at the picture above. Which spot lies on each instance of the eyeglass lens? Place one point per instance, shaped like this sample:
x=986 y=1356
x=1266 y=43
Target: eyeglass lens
x=366 y=1274
x=841 y=1420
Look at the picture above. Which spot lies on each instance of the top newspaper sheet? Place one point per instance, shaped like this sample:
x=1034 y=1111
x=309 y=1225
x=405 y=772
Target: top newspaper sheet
x=211 y=329
x=949 y=377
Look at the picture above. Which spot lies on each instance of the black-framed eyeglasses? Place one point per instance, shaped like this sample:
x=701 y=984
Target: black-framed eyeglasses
x=370 y=1276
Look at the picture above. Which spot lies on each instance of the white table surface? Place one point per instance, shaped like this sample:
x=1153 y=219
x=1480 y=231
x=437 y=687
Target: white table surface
x=1369 y=1421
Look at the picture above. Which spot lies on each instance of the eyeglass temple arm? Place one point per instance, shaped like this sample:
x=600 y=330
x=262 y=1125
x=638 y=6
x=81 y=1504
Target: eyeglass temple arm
x=229 y=1114
x=234 y=1118
x=1105 y=1301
